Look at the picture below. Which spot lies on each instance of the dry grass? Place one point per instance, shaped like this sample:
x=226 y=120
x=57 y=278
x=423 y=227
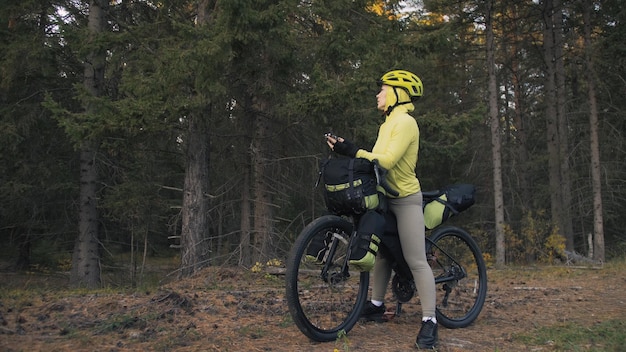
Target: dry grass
x=223 y=309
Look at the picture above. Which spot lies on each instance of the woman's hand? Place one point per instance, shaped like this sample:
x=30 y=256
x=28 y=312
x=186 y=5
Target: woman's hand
x=331 y=140
x=342 y=146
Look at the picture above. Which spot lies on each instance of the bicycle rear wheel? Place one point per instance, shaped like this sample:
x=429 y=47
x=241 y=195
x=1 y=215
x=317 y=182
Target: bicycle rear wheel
x=323 y=296
x=460 y=276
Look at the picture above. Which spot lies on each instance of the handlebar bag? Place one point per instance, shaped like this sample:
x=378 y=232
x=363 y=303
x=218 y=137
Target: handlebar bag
x=349 y=185
x=453 y=200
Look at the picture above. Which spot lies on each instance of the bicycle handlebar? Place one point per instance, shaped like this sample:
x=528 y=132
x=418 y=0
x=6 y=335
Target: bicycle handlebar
x=381 y=180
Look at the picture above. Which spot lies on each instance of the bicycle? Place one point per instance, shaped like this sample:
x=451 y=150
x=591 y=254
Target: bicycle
x=325 y=298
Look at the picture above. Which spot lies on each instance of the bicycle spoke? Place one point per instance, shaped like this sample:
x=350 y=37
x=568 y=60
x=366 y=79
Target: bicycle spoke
x=460 y=275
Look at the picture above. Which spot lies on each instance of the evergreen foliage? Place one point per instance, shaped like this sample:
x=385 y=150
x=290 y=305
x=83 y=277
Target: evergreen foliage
x=268 y=78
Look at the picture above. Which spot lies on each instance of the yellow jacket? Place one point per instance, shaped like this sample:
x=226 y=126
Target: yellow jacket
x=396 y=149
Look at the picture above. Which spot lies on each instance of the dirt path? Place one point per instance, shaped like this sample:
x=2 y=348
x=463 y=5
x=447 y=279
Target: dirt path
x=229 y=310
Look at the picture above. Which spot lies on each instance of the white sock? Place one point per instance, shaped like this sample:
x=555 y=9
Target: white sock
x=377 y=303
x=433 y=319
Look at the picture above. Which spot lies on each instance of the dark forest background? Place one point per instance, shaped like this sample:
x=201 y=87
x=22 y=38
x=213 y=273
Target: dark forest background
x=133 y=130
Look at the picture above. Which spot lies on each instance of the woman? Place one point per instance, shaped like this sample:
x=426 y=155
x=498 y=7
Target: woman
x=396 y=149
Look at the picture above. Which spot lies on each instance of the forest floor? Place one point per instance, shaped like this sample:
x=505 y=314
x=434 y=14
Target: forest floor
x=224 y=309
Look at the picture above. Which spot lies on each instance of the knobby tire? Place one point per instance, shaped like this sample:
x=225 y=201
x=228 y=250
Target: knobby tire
x=324 y=298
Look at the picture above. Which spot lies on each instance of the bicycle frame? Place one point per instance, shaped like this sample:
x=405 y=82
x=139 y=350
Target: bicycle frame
x=456 y=275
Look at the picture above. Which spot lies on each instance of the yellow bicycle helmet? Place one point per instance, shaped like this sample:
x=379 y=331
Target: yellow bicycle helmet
x=403 y=79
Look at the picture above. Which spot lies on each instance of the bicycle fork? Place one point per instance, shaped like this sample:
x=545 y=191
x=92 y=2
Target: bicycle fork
x=344 y=273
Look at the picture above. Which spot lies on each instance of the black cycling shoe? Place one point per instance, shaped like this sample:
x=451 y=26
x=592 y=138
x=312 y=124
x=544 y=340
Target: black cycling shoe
x=371 y=312
x=427 y=337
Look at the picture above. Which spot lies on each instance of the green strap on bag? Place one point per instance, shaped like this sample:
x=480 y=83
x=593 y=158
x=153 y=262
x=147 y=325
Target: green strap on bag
x=349 y=185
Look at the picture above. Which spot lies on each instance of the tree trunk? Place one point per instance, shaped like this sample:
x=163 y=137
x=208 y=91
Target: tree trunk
x=194 y=249
x=552 y=124
x=195 y=207
x=521 y=139
x=245 y=257
x=565 y=218
x=496 y=143
x=598 y=218
x=86 y=257
x=262 y=196
x=24 y=249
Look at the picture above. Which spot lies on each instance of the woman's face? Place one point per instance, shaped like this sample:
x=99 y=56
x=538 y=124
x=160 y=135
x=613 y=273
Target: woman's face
x=381 y=97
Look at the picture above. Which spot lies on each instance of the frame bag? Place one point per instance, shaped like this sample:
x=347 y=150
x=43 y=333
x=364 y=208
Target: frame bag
x=349 y=185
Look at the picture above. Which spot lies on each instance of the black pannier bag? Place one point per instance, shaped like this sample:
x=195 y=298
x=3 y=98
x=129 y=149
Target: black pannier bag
x=365 y=247
x=453 y=200
x=349 y=185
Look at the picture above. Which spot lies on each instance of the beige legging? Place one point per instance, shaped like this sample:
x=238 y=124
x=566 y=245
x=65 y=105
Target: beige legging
x=410 y=217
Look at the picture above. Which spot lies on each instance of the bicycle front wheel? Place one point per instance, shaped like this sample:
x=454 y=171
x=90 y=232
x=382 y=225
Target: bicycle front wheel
x=324 y=297
x=460 y=276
